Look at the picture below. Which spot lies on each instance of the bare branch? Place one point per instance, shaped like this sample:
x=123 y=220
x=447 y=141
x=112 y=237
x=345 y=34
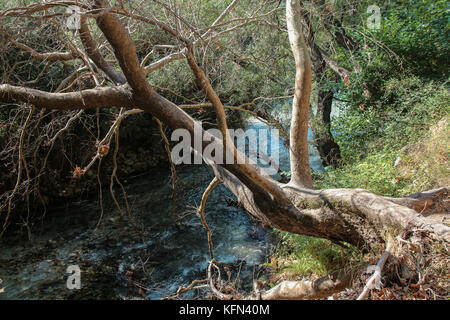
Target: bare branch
x=201 y=212
x=205 y=37
x=36 y=7
x=153 y=21
x=212 y=96
x=46 y=56
x=19 y=171
x=372 y=282
x=301 y=171
x=342 y=72
x=308 y=289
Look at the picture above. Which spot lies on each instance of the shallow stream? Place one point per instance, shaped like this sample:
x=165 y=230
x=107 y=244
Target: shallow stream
x=118 y=262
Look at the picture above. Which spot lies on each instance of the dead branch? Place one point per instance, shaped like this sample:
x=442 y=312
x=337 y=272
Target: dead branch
x=47 y=56
x=169 y=155
x=19 y=170
x=201 y=212
x=194 y=285
x=93 y=53
x=375 y=280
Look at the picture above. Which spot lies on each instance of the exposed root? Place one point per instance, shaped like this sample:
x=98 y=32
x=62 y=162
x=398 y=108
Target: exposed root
x=413 y=266
x=100 y=195
x=114 y=176
x=216 y=292
x=103 y=145
x=201 y=212
x=124 y=194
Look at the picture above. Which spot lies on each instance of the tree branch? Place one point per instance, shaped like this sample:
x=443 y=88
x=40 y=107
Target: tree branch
x=124 y=49
x=308 y=289
x=85 y=99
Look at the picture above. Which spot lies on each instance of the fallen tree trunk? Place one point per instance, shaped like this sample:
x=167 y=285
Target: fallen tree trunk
x=354 y=216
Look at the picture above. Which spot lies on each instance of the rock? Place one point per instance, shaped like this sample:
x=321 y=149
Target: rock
x=51 y=244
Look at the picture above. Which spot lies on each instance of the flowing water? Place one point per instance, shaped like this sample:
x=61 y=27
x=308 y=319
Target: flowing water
x=117 y=261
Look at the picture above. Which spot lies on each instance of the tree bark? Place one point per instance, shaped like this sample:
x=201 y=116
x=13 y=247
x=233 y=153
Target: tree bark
x=300 y=169
x=92 y=51
x=321 y=125
x=86 y=99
